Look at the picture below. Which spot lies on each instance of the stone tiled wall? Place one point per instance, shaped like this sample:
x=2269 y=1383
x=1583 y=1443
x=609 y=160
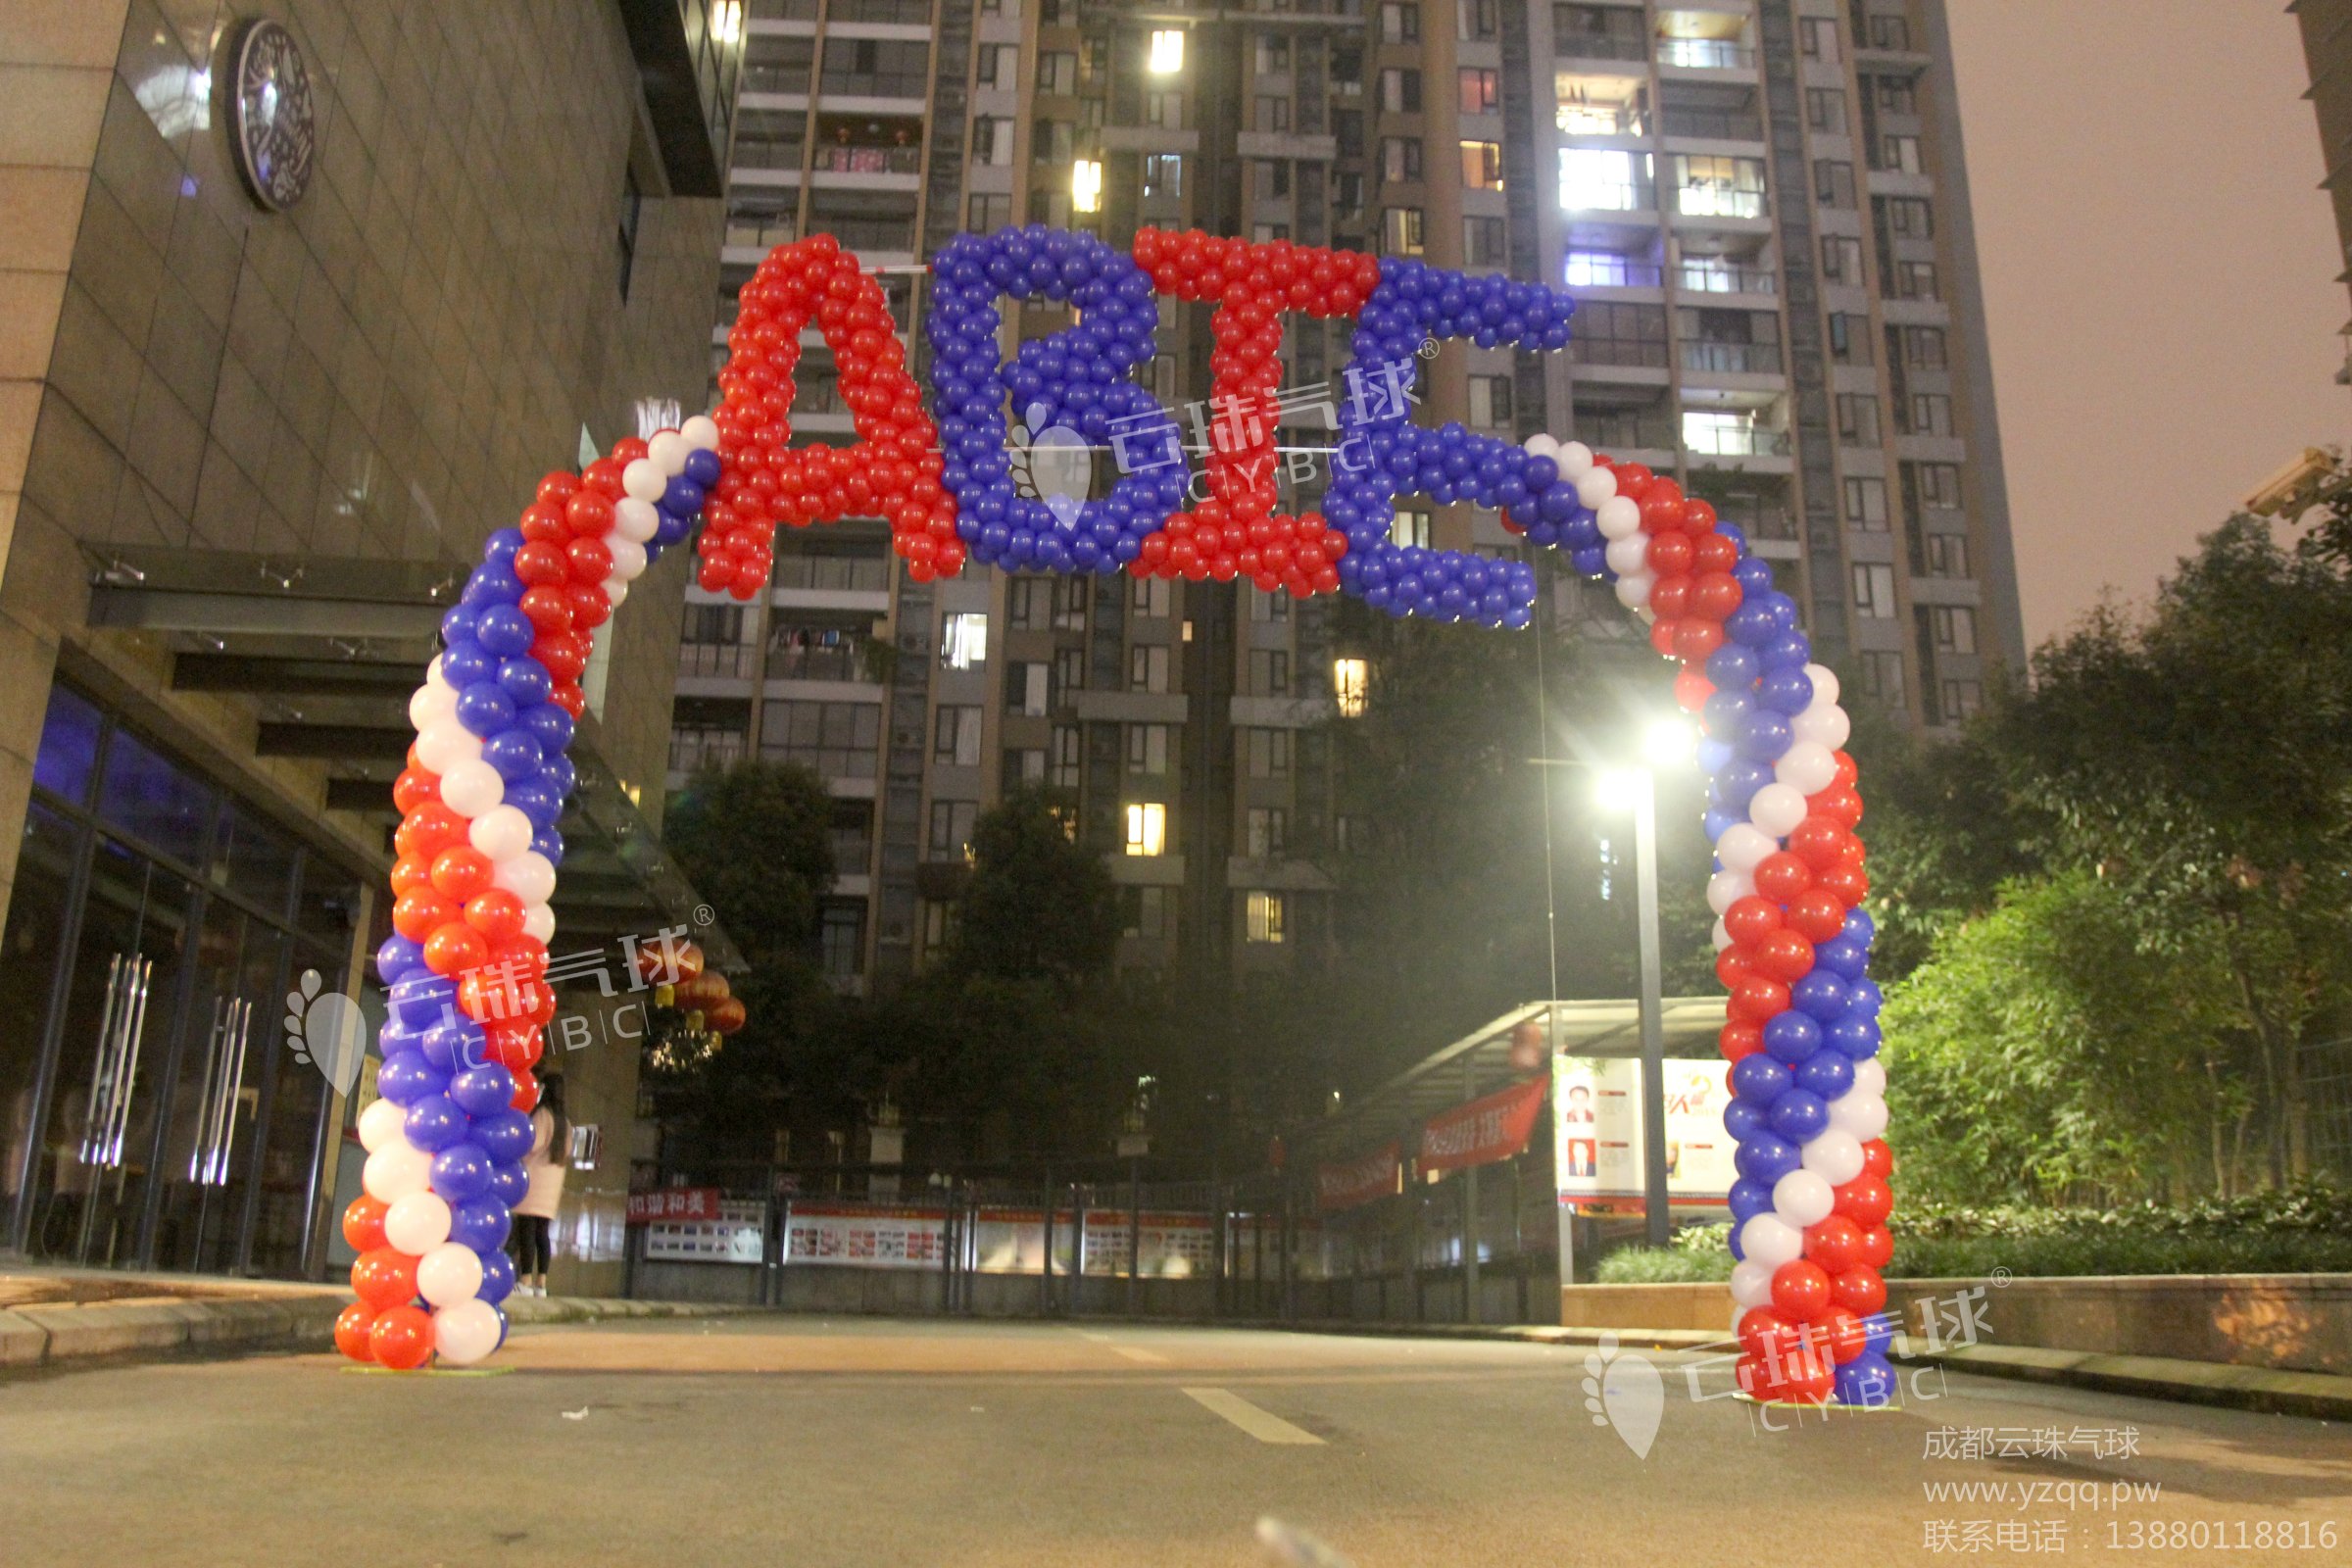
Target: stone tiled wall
x=383 y=371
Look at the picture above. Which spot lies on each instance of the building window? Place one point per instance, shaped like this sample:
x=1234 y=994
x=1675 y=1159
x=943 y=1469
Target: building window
x=1883 y=679
x=1939 y=484
x=1481 y=165
x=842 y=940
x=1874 y=592
x=1834 y=182
x=1409 y=530
x=1350 y=686
x=1069 y=667
x=1144 y=913
x=1167 y=51
x=1266 y=829
x=1023 y=766
x=1270 y=671
x=963 y=640
x=1268 y=607
x=1268 y=751
x=1849 y=340
x=1481 y=91
x=1962 y=701
x=1163 y=173
x=1599 y=180
x=1890 y=32
x=939 y=924
x=1910 y=217
x=1825 y=110
x=1711 y=186
x=1273 y=54
x=1483 y=243
x=1264 y=917
x=1401 y=231
x=987 y=213
x=1490 y=401
x=1400 y=159
x=1955 y=629
x=1147 y=828
x=1817 y=38
x=1947 y=555
x=1057 y=72
x=1273 y=113
x=1866 y=505
x=999 y=68
x=1931 y=414
x=837 y=739
x=1923 y=348
x=1400 y=23
x=1148 y=750
x=1147 y=668
x=951 y=828
x=955 y=736
x=1029 y=688
x=1400 y=90
x=1841 y=260
x=1479 y=19
x=1067 y=761
x=1164 y=110
x=1150 y=598
x=1901 y=154
x=1916 y=280
x=1273 y=177
x=1858 y=419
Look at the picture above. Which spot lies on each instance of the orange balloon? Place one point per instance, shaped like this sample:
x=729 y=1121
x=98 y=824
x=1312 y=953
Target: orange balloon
x=402 y=1338
x=350 y=1330
x=364 y=1223
x=384 y=1277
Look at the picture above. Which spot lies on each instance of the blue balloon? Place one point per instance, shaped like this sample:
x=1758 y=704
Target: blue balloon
x=1820 y=994
x=481 y=1223
x=484 y=1089
x=1867 y=1381
x=1843 y=959
x=1879 y=1330
x=508 y=1185
x=1858 y=1038
x=498 y=1275
x=1765 y=1157
x=683 y=497
x=1860 y=928
x=505 y=1135
x=1742 y=1117
x=1799 y=1115
x=1748 y=1199
x=454 y=1044
x=1826 y=1073
x=1759 y=1079
x=1792 y=1036
x=525 y=681
x=1732 y=666
x=435 y=1122
x=505 y=631
x=462 y=1171
x=466 y=663
x=421 y=1002
x=1862 y=999
x=406 y=1078
x=1765 y=735
x=549 y=725
x=702 y=467
x=550 y=843
x=398 y=958
x=1785 y=691
x=516 y=755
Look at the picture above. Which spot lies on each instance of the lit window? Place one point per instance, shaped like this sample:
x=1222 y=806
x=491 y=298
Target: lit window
x=1599 y=180
x=963 y=640
x=726 y=21
x=1350 y=686
x=1146 y=829
x=1085 y=185
x=1265 y=917
x=1167 y=51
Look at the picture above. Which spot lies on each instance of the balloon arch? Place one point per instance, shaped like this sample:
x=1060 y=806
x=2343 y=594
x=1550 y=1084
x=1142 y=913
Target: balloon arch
x=487 y=777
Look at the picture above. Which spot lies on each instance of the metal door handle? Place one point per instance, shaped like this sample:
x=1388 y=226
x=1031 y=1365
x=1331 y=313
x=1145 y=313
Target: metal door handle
x=135 y=1030
x=222 y=1129
x=98 y=1111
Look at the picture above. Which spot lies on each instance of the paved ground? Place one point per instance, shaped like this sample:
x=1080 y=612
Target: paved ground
x=798 y=1443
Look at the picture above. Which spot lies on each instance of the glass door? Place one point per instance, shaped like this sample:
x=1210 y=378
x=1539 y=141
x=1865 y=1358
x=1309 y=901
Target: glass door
x=97 y=1148
x=235 y=999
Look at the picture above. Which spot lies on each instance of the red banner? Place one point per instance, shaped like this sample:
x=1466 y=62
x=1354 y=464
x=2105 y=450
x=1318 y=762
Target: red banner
x=695 y=1203
x=1362 y=1180
x=1484 y=1131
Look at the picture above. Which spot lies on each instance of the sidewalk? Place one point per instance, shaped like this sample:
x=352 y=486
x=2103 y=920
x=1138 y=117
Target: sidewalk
x=60 y=1318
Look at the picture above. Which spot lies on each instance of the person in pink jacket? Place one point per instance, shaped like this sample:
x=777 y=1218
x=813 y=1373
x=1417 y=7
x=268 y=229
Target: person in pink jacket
x=534 y=1216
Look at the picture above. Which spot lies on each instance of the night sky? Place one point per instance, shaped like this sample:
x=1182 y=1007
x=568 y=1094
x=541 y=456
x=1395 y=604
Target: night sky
x=2159 y=271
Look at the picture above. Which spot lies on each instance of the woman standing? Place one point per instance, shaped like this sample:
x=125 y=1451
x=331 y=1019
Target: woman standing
x=551 y=1143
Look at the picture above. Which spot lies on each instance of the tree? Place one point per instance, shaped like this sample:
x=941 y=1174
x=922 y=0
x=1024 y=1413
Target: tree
x=1039 y=906
x=756 y=839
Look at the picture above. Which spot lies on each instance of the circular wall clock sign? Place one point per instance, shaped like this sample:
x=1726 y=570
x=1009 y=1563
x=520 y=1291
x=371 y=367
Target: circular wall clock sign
x=271 y=116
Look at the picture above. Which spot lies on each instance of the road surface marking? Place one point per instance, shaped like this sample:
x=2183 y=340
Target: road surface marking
x=1266 y=1427
x=1132 y=1354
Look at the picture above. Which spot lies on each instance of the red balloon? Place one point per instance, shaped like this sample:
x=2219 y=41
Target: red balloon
x=1844 y=1335
x=1751 y=919
x=1800 y=1290
x=1691 y=691
x=402 y=1338
x=1760 y=1332
x=1878 y=1248
x=1867 y=1199
x=495 y=914
x=1878 y=1159
x=1817 y=916
x=1732 y=966
x=411 y=871
x=1819 y=842
x=1738 y=1041
x=1782 y=876
x=428 y=830
x=460 y=872
x=549 y=610
x=1669 y=553
x=1696 y=637
x=1835 y=1243
x=413 y=788
x=1849 y=882
x=384 y=1277
x=1757 y=999
x=526 y=1095
x=364 y=1223
x=1859 y=1290
x=350 y=1330
x=455 y=947
x=1785 y=955
x=421 y=911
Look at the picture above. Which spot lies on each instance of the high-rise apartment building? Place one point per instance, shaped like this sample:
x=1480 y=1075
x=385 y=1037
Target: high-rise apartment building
x=1761 y=203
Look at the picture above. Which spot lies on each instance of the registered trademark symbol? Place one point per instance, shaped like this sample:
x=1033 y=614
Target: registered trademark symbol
x=702 y=914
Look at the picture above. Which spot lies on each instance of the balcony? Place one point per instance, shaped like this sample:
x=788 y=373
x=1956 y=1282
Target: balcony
x=716 y=660
x=1712 y=124
x=1609 y=269
x=693 y=749
x=1645 y=354
x=853 y=160
x=1707 y=435
x=1706 y=53
x=1717 y=276
x=903 y=13
x=1732 y=358
x=813 y=653
x=1718 y=201
x=856 y=574
x=765 y=153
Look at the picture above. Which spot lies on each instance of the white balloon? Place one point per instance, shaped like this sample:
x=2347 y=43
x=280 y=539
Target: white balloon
x=1633 y=590
x=1802 y=1197
x=1863 y=1115
x=615 y=590
x=396 y=1170
x=1743 y=846
x=1751 y=1284
x=447 y=744
x=1721 y=936
x=1771 y=1240
x=1834 y=1155
x=1629 y=555
x=1596 y=486
x=1728 y=887
x=471 y=789
x=1541 y=445
x=448 y=1273
x=529 y=876
x=431 y=704
x=1825 y=682
x=381 y=1124
x=1870 y=1077
x=466 y=1332
x=1776 y=810
x=1823 y=724
x=669 y=451
x=539 y=922
x=1807 y=767
x=501 y=833
x=628 y=557
x=1575 y=460
x=1618 y=518
x=703 y=431
x=642 y=479
x=417 y=1222
x=635 y=519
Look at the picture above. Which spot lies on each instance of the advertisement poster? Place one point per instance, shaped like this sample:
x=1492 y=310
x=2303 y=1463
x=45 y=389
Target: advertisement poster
x=1596 y=1132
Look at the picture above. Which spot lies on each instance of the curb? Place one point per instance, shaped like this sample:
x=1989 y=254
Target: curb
x=117 y=1332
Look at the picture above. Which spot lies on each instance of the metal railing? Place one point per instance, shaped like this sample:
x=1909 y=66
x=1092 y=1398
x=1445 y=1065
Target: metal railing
x=1726 y=277
x=1706 y=53
x=834 y=573
x=868 y=233
x=1718 y=201
x=755 y=152
x=1603 y=270
x=777 y=230
x=1713 y=124
x=731 y=660
x=1735 y=441
x=1646 y=353
x=692 y=750
x=785 y=78
x=905 y=12
x=1733 y=359
x=839 y=160
x=846 y=660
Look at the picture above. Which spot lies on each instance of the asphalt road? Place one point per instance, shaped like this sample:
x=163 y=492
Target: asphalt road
x=794 y=1442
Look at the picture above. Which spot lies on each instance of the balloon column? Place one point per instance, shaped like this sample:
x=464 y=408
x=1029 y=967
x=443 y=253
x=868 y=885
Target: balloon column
x=465 y=968
x=487 y=778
